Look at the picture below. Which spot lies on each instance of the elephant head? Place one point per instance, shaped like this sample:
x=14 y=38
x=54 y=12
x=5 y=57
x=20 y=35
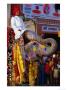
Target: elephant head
x=38 y=45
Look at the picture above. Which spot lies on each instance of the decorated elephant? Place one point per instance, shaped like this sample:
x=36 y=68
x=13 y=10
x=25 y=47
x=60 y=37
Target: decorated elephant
x=34 y=43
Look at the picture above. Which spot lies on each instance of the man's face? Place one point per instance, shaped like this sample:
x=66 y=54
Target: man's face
x=17 y=13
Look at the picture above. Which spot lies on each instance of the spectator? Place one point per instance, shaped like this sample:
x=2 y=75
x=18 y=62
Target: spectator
x=56 y=75
x=47 y=72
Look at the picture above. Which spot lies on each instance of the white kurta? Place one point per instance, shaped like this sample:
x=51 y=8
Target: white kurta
x=17 y=24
